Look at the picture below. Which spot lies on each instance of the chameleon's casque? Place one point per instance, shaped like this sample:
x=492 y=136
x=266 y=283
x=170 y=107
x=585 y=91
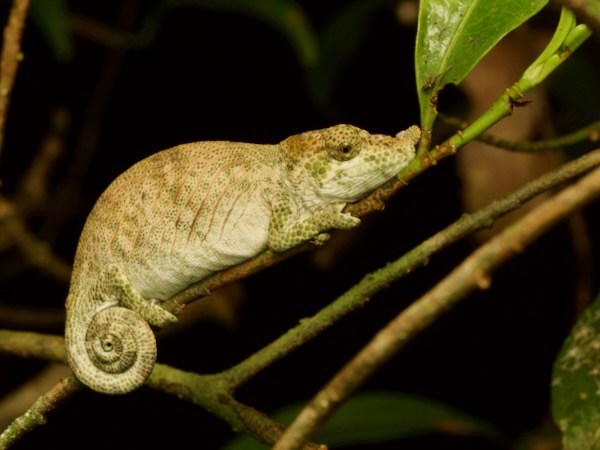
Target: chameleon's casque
x=187 y=212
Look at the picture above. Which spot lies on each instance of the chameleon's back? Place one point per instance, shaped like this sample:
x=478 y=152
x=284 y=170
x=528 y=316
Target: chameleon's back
x=168 y=221
x=159 y=217
x=184 y=213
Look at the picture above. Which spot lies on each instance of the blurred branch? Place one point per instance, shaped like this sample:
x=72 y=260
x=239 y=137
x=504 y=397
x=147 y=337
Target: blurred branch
x=30 y=199
x=361 y=293
x=374 y=202
x=37 y=252
x=20 y=399
x=11 y=57
x=211 y=392
x=87 y=140
x=33 y=345
x=32 y=318
x=32 y=191
x=590 y=133
x=472 y=274
x=215 y=392
x=565 y=41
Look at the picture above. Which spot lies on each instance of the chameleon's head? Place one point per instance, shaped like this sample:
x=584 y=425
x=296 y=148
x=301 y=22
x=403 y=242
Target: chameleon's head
x=344 y=163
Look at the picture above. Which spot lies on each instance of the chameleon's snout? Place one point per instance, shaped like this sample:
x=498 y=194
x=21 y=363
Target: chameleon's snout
x=411 y=135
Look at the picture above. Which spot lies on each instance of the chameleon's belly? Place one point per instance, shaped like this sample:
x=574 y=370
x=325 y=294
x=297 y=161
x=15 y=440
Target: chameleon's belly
x=177 y=232
x=178 y=266
x=181 y=257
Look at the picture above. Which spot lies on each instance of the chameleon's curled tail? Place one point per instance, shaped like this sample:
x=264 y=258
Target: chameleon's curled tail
x=117 y=352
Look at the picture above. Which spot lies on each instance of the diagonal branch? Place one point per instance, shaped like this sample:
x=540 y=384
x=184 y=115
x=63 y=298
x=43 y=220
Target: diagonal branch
x=372 y=283
x=36 y=415
x=474 y=273
x=214 y=392
x=210 y=392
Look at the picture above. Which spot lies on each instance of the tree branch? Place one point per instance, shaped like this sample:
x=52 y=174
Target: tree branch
x=11 y=57
x=36 y=251
x=374 y=282
x=211 y=392
x=590 y=132
x=215 y=392
x=36 y=415
x=474 y=273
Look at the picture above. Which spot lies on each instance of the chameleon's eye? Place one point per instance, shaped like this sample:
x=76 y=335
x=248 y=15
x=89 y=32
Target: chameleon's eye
x=344 y=152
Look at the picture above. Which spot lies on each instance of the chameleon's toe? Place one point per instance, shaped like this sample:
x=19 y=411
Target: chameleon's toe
x=320 y=239
x=346 y=221
x=156 y=315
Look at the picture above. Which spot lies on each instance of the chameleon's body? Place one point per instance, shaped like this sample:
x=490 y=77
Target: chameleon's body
x=187 y=212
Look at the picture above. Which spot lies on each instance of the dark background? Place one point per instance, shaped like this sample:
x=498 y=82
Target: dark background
x=213 y=75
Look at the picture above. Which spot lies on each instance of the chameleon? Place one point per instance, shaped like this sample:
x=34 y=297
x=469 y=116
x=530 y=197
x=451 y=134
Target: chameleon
x=187 y=212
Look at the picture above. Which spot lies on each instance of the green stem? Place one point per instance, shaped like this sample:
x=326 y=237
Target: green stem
x=590 y=132
x=569 y=37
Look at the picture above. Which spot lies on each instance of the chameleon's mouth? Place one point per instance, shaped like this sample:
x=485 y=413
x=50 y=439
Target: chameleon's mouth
x=354 y=181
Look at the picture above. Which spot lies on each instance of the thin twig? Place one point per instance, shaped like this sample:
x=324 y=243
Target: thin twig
x=32 y=192
x=210 y=392
x=361 y=293
x=214 y=392
x=11 y=57
x=36 y=415
x=374 y=202
x=36 y=251
x=474 y=273
x=590 y=132
x=214 y=395
x=33 y=345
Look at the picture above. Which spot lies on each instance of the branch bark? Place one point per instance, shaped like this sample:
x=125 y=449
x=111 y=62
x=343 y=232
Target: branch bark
x=36 y=415
x=474 y=273
x=215 y=392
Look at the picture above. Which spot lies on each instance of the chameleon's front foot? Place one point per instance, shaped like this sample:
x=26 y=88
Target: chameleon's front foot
x=284 y=235
x=320 y=239
x=333 y=218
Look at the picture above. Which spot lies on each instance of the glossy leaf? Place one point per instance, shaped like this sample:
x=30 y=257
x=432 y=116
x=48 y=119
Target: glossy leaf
x=576 y=383
x=373 y=417
x=453 y=36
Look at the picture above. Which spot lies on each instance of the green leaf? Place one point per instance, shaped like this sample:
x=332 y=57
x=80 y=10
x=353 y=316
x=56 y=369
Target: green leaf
x=454 y=35
x=379 y=416
x=567 y=37
x=576 y=383
x=52 y=18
